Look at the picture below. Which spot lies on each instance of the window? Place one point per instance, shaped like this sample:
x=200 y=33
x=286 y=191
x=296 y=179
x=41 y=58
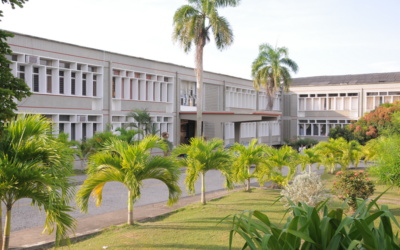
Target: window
x=122 y=89
x=73 y=83
x=354 y=103
x=352 y=94
x=84 y=131
x=48 y=80
x=148 y=77
x=94 y=128
x=315 y=129
x=13 y=58
x=130 y=91
x=92 y=118
x=331 y=103
x=301 y=129
x=45 y=62
x=92 y=69
x=308 y=129
x=84 y=84
x=64 y=65
x=61 y=82
x=370 y=102
x=372 y=93
x=321 y=95
x=316 y=104
x=303 y=95
x=73 y=132
x=64 y=118
x=61 y=127
x=165 y=79
x=346 y=103
x=342 y=94
x=333 y=95
x=21 y=73
x=393 y=93
x=323 y=130
x=35 y=79
x=79 y=67
x=309 y=104
x=116 y=72
x=137 y=75
x=113 y=88
x=165 y=119
x=94 y=85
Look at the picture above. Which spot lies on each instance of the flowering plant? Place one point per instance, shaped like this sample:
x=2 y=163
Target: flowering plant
x=353 y=186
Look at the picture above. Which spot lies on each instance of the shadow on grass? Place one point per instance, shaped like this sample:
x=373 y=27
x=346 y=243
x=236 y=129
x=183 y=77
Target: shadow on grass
x=175 y=246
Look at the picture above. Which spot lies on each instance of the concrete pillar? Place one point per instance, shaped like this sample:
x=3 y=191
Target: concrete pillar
x=270 y=133
x=177 y=129
x=110 y=93
x=237 y=132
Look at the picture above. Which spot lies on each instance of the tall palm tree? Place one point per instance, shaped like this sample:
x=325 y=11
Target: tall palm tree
x=277 y=159
x=202 y=156
x=194 y=23
x=35 y=165
x=272 y=68
x=309 y=158
x=245 y=157
x=130 y=165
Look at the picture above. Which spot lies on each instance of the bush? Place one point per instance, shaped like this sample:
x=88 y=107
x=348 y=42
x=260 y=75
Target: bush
x=297 y=142
x=353 y=186
x=307 y=188
x=306 y=230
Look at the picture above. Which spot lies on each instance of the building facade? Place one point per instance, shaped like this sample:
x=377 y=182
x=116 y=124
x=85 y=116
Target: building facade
x=85 y=90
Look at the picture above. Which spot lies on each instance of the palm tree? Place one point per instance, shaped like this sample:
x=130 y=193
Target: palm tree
x=202 y=156
x=328 y=152
x=348 y=152
x=130 y=165
x=245 y=157
x=84 y=149
x=369 y=151
x=277 y=159
x=309 y=158
x=143 y=119
x=130 y=136
x=35 y=165
x=271 y=68
x=193 y=24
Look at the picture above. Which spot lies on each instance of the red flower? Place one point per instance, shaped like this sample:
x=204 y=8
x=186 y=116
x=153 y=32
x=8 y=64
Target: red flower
x=347 y=191
x=355 y=174
x=340 y=196
x=361 y=172
x=367 y=179
x=351 y=178
x=334 y=182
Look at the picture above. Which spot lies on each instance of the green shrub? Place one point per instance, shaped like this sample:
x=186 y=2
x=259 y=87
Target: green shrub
x=306 y=230
x=353 y=186
x=297 y=142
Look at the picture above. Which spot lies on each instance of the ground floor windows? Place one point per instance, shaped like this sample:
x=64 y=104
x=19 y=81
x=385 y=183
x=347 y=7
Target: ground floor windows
x=319 y=127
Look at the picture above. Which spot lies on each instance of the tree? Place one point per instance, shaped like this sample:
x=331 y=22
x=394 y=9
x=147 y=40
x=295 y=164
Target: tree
x=84 y=149
x=309 y=158
x=202 y=156
x=271 y=68
x=130 y=165
x=143 y=119
x=10 y=87
x=348 y=152
x=130 y=136
x=33 y=164
x=193 y=24
x=245 y=157
x=329 y=153
x=277 y=159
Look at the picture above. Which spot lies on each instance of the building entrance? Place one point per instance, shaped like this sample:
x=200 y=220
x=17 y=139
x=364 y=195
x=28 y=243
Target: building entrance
x=188 y=131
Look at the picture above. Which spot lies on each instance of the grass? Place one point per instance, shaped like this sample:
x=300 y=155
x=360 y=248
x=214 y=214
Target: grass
x=195 y=226
x=78 y=172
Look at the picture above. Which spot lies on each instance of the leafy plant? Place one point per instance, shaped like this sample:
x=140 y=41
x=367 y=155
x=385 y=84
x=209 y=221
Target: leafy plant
x=35 y=165
x=129 y=165
x=307 y=188
x=202 y=156
x=244 y=157
x=353 y=186
x=297 y=142
x=306 y=230
x=308 y=158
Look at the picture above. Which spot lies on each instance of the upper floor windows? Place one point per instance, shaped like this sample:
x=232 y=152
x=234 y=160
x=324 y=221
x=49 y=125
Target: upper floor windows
x=64 y=65
x=49 y=80
x=374 y=99
x=330 y=101
x=21 y=72
x=35 y=79
x=92 y=69
x=13 y=58
x=61 y=82
x=240 y=98
x=45 y=62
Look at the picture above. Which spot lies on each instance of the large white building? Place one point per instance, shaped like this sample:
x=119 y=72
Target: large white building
x=84 y=89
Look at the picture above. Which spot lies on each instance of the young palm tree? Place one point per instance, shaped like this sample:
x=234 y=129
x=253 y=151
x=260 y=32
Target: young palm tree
x=35 y=165
x=84 y=149
x=309 y=158
x=143 y=119
x=130 y=136
x=328 y=152
x=194 y=23
x=245 y=157
x=271 y=68
x=277 y=159
x=203 y=156
x=348 y=152
x=130 y=165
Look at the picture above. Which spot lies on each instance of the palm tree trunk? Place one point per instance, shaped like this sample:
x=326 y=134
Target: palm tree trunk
x=199 y=78
x=203 y=188
x=248 y=180
x=309 y=170
x=7 y=229
x=130 y=209
x=1 y=226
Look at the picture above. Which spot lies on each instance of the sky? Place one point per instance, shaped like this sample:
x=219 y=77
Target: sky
x=329 y=37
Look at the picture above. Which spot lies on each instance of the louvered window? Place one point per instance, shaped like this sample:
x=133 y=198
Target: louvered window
x=48 y=80
x=84 y=84
x=94 y=85
x=35 y=79
x=61 y=82
x=21 y=73
x=113 y=88
x=73 y=83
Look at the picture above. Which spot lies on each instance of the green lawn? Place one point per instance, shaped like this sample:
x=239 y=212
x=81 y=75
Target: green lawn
x=195 y=226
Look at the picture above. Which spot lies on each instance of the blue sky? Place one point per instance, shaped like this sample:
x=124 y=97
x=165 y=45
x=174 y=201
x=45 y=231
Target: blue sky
x=331 y=37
